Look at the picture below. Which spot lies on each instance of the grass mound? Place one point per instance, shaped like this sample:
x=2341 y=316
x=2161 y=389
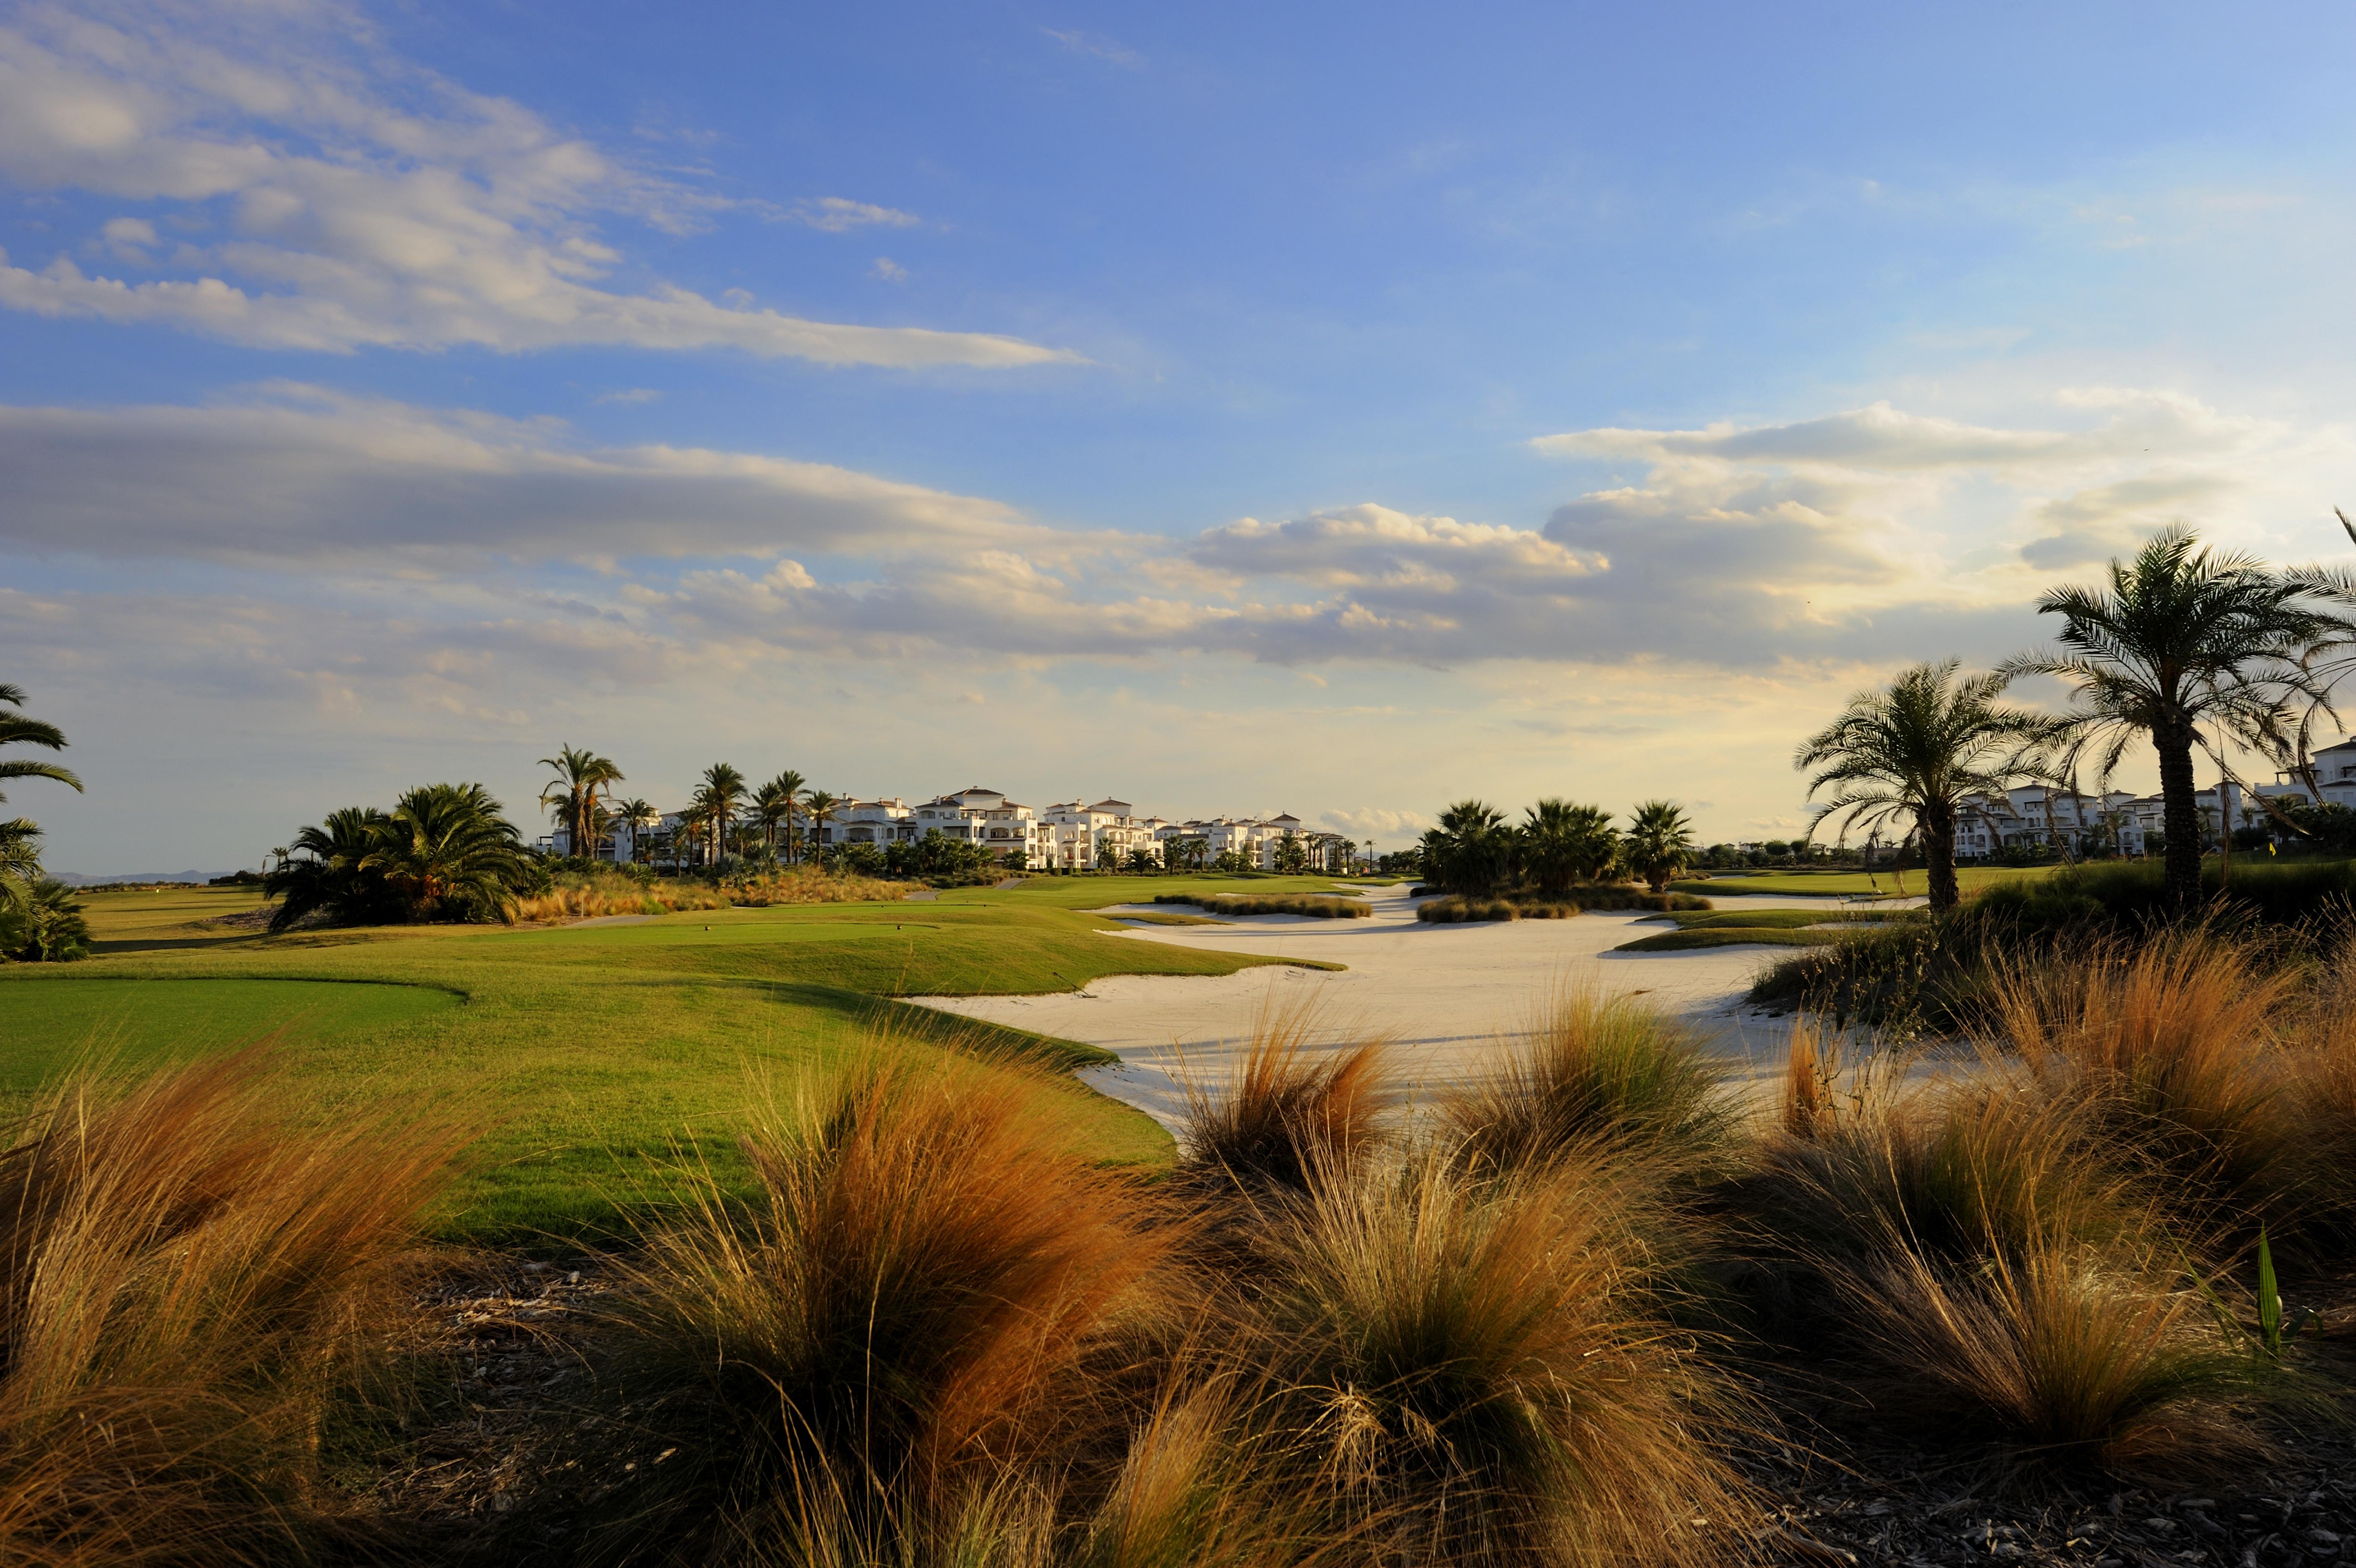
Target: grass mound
x=1324 y=907
x=1456 y=907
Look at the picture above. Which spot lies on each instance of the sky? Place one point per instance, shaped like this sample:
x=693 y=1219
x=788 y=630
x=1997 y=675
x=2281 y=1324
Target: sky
x=1340 y=409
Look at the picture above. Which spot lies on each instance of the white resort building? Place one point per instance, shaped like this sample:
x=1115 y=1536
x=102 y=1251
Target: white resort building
x=1070 y=836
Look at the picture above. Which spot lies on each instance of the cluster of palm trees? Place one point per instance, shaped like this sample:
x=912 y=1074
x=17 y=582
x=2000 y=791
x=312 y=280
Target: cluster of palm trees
x=1557 y=844
x=445 y=853
x=2188 y=648
x=724 y=817
x=39 y=917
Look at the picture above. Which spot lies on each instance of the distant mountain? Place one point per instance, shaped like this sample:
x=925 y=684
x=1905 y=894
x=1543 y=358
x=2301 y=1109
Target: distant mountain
x=81 y=879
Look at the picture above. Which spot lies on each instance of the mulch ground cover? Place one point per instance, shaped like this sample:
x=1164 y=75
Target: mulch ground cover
x=509 y=1448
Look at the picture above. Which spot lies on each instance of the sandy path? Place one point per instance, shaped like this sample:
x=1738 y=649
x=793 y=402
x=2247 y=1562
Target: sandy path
x=1442 y=995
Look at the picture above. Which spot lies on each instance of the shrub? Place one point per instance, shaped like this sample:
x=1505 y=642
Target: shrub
x=47 y=927
x=913 y=1331
x=1330 y=906
x=1574 y=900
x=1597 y=1071
x=189 y=1284
x=1473 y=1373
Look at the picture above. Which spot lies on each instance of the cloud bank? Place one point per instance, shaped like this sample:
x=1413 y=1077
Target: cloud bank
x=304 y=188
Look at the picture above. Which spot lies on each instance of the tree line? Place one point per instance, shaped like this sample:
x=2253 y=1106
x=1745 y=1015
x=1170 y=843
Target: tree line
x=1556 y=845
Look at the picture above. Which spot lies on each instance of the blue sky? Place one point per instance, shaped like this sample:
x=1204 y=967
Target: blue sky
x=1340 y=410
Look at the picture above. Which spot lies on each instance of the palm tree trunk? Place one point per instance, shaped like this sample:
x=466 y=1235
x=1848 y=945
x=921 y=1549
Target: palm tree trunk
x=1939 y=857
x=2180 y=817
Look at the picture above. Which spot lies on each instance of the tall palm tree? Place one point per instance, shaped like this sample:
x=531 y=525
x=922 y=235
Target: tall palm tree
x=15 y=729
x=1659 y=842
x=1562 y=843
x=2183 y=637
x=789 y=786
x=447 y=851
x=1915 y=752
x=725 y=787
x=572 y=796
x=819 y=806
x=771 y=806
x=641 y=819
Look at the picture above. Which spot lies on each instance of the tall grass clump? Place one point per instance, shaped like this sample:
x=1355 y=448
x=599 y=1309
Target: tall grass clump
x=1978 y=1249
x=192 y=1287
x=1476 y=1373
x=924 y=1323
x=1291 y=1108
x=1596 y=1069
x=2169 y=1052
x=2072 y=1352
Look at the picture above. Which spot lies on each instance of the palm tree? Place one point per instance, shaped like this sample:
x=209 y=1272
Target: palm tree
x=722 y=785
x=1470 y=851
x=325 y=872
x=450 y=854
x=15 y=729
x=572 y=798
x=819 y=806
x=2184 y=635
x=1916 y=752
x=1563 y=844
x=771 y=806
x=789 y=786
x=641 y=819
x=20 y=862
x=1659 y=843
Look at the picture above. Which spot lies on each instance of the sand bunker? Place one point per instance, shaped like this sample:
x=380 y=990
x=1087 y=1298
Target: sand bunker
x=1445 y=995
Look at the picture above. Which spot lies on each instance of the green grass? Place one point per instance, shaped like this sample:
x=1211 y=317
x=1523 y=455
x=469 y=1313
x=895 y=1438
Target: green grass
x=1837 y=884
x=1098 y=892
x=1766 y=928
x=586 y=1051
x=1784 y=919
x=1735 y=937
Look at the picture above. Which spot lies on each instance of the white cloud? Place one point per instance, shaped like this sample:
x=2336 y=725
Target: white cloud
x=1880 y=540
x=835 y=214
x=1095 y=46
x=306 y=477
x=340 y=198
x=631 y=396
x=1374 y=822
x=886 y=270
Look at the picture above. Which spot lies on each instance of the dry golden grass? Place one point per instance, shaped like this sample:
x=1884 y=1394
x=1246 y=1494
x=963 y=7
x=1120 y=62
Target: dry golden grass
x=1596 y=1069
x=2072 y=1352
x=1474 y=1372
x=2168 y=1054
x=933 y=1306
x=1293 y=1107
x=188 y=1283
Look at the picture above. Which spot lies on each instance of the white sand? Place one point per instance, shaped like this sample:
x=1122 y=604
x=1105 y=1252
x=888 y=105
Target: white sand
x=1446 y=997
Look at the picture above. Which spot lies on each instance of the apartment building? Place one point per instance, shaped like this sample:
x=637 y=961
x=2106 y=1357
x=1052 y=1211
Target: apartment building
x=986 y=817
